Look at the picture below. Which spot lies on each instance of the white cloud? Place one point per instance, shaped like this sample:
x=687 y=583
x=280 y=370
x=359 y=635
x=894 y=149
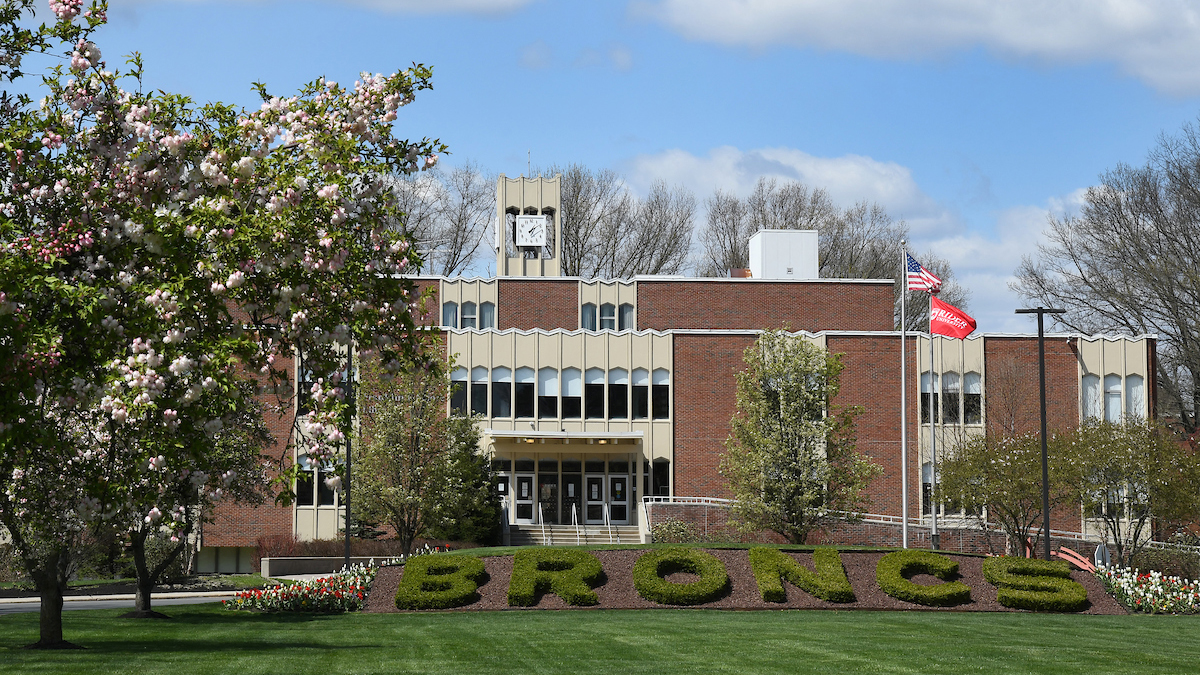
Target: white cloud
x=1156 y=41
x=848 y=179
x=536 y=55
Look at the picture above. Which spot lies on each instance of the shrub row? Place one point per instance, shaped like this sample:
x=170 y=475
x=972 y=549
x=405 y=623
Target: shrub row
x=440 y=582
x=571 y=574
x=895 y=571
x=1039 y=585
x=650 y=572
x=829 y=582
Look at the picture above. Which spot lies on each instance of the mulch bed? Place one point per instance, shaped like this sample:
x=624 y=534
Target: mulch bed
x=618 y=591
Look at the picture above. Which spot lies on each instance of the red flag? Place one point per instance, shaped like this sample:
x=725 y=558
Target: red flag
x=946 y=319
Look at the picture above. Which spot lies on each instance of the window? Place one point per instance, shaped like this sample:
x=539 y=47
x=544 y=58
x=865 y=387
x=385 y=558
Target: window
x=1135 y=396
x=660 y=395
x=524 y=393
x=625 y=317
x=1091 y=397
x=593 y=394
x=304 y=482
x=641 y=393
x=587 y=316
x=487 y=315
x=572 y=394
x=618 y=394
x=450 y=314
x=972 y=398
x=1112 y=398
x=608 y=316
x=951 y=397
x=926 y=389
x=304 y=382
x=547 y=402
x=479 y=389
x=468 y=315
x=501 y=392
x=661 y=477
x=926 y=488
x=458 y=391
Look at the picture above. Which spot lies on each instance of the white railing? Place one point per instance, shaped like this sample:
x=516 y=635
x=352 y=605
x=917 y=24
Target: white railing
x=575 y=523
x=542 y=522
x=643 y=522
x=608 y=524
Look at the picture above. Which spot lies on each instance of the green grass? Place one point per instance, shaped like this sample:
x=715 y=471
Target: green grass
x=207 y=639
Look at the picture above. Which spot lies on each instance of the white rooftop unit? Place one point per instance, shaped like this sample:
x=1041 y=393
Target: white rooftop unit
x=783 y=254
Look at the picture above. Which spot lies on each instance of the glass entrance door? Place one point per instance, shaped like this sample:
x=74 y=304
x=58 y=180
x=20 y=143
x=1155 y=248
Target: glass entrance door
x=571 y=503
x=618 y=498
x=594 y=488
x=523 y=497
x=548 y=497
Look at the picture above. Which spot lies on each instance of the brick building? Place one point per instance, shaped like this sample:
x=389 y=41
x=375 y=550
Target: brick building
x=595 y=393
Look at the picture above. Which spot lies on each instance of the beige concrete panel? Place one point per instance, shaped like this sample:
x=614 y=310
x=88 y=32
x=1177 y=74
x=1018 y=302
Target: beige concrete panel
x=571 y=349
x=973 y=355
x=501 y=347
x=1091 y=357
x=526 y=350
x=595 y=350
x=662 y=351
x=549 y=350
x=620 y=350
x=1114 y=356
x=1135 y=357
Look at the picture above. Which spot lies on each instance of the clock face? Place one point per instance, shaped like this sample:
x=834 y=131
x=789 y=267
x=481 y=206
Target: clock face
x=531 y=230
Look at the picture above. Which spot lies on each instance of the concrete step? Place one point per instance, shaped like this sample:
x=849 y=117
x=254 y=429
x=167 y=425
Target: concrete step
x=570 y=535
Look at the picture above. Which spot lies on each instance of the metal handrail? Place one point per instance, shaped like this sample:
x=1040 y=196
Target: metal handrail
x=608 y=523
x=542 y=522
x=575 y=523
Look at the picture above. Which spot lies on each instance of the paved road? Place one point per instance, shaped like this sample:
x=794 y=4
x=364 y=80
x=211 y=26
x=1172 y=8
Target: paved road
x=16 y=607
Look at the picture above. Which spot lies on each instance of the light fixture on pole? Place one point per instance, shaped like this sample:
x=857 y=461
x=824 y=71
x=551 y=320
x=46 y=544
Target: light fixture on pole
x=1041 y=312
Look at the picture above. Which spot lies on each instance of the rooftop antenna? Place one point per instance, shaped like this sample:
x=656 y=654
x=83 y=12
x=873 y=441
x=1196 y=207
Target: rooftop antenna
x=529 y=163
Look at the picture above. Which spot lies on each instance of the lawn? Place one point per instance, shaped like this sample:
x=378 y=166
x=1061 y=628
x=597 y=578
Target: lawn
x=207 y=639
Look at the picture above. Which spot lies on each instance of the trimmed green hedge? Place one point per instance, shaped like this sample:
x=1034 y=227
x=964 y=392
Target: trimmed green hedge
x=571 y=574
x=440 y=582
x=772 y=567
x=895 y=571
x=650 y=569
x=1038 y=585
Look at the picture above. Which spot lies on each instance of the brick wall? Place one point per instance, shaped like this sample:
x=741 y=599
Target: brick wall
x=703 y=401
x=537 y=303
x=740 y=304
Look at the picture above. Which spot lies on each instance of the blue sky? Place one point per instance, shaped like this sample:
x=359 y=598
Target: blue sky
x=972 y=120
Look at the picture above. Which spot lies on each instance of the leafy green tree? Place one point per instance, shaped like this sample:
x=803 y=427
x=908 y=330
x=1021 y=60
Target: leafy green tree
x=791 y=459
x=416 y=467
x=1131 y=476
x=1000 y=477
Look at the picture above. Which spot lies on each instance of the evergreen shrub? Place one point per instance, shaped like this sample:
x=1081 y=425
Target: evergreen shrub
x=1038 y=585
x=650 y=570
x=895 y=571
x=440 y=582
x=571 y=574
x=829 y=582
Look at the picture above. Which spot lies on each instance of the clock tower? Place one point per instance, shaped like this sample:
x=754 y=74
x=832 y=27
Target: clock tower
x=528 y=234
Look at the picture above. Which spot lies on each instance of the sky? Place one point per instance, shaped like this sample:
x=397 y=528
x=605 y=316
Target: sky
x=974 y=121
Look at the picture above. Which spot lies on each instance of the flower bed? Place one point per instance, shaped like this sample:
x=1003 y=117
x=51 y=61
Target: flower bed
x=344 y=591
x=1152 y=592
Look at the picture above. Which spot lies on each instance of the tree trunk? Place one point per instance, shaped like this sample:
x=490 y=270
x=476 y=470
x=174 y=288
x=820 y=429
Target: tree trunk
x=51 y=581
x=145 y=581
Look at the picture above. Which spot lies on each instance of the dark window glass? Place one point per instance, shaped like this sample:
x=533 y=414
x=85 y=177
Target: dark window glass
x=547 y=466
x=926 y=498
x=324 y=492
x=594 y=466
x=661 y=401
x=587 y=317
x=572 y=407
x=304 y=488
x=547 y=407
x=625 y=317
x=501 y=399
x=661 y=478
x=571 y=466
x=525 y=465
x=950 y=408
x=487 y=315
x=618 y=466
x=458 y=398
x=618 y=405
x=973 y=408
x=501 y=465
x=525 y=511
x=479 y=398
x=525 y=395
x=925 y=406
x=593 y=401
x=641 y=401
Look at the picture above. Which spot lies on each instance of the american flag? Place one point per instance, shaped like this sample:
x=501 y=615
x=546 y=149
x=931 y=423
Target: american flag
x=919 y=278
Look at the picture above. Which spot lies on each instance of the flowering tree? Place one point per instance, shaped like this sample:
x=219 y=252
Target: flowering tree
x=791 y=459
x=153 y=255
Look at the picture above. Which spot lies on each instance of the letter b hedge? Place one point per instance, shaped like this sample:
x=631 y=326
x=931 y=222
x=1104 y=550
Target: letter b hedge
x=440 y=582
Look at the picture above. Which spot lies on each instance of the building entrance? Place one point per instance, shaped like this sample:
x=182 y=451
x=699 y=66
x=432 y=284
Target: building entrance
x=571 y=490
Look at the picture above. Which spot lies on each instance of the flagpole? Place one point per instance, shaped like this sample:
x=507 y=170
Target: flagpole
x=933 y=417
x=903 y=400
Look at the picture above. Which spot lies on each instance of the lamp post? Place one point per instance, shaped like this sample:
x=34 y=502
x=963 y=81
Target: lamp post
x=350 y=413
x=1041 y=312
